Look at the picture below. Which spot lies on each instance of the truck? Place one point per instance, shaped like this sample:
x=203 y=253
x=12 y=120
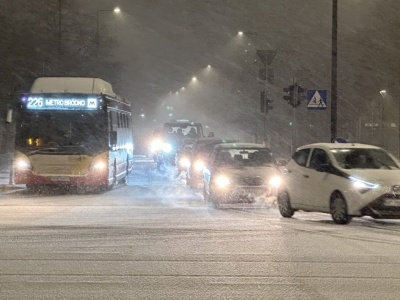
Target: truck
x=169 y=139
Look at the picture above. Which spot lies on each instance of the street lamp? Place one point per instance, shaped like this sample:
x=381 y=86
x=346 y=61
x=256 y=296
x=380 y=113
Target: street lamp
x=241 y=33
x=116 y=10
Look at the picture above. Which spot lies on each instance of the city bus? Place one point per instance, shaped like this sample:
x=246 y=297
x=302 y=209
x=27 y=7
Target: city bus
x=73 y=132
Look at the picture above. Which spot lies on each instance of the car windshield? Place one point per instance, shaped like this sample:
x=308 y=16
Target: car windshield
x=203 y=149
x=182 y=130
x=362 y=158
x=244 y=157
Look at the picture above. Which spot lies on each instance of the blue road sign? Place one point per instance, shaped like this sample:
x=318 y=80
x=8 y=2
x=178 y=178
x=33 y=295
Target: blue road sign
x=316 y=99
x=339 y=140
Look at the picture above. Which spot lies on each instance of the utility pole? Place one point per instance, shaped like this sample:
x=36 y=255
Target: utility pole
x=334 y=71
x=59 y=28
x=266 y=75
x=294 y=123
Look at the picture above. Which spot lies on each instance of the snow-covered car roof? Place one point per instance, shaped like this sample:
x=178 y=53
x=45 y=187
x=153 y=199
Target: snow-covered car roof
x=242 y=145
x=339 y=146
x=206 y=140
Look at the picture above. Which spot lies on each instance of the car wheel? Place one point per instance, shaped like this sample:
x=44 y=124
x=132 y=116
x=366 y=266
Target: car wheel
x=284 y=205
x=213 y=201
x=339 y=209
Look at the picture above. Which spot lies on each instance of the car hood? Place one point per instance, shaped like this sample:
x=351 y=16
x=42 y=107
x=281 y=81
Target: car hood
x=262 y=171
x=376 y=176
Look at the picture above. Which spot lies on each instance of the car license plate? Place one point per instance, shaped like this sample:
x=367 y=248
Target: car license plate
x=59 y=178
x=253 y=192
x=392 y=202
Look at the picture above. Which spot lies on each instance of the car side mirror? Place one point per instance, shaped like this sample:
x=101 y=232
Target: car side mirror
x=281 y=162
x=324 y=168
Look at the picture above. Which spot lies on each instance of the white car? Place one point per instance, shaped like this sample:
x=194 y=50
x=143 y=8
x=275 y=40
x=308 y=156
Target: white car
x=239 y=173
x=346 y=180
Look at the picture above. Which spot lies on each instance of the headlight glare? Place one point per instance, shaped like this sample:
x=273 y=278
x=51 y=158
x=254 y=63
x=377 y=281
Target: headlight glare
x=363 y=186
x=155 y=145
x=222 y=181
x=100 y=166
x=167 y=148
x=199 y=165
x=23 y=164
x=275 y=181
x=184 y=162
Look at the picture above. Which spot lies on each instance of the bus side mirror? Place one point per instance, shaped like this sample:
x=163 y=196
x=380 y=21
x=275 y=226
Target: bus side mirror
x=9 y=116
x=113 y=138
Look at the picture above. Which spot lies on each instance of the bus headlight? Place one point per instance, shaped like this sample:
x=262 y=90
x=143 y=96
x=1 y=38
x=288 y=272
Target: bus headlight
x=23 y=164
x=98 y=164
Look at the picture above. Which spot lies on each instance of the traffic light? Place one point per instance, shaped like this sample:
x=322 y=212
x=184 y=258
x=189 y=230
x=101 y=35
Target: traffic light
x=265 y=103
x=294 y=94
x=301 y=93
x=268 y=105
x=289 y=97
x=262 y=102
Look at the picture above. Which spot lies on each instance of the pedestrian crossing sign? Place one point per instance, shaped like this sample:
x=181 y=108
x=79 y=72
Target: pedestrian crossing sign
x=316 y=99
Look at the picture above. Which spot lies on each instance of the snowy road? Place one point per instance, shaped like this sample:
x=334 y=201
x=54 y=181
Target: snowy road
x=156 y=239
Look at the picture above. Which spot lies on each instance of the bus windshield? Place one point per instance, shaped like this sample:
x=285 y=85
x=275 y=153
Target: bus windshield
x=55 y=130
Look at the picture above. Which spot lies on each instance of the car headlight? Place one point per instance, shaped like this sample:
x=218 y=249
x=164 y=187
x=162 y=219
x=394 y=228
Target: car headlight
x=199 y=165
x=167 y=148
x=23 y=164
x=363 y=186
x=222 y=181
x=155 y=145
x=275 y=181
x=184 y=162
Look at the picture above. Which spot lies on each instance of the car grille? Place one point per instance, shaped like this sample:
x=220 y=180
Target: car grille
x=251 y=181
x=386 y=207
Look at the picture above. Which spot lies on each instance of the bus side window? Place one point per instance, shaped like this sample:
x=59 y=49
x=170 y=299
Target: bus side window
x=110 y=122
x=113 y=138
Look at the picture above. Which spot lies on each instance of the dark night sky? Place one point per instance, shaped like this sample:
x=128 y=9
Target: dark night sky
x=163 y=43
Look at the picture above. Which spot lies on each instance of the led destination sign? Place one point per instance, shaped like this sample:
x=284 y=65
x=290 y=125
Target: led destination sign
x=60 y=103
